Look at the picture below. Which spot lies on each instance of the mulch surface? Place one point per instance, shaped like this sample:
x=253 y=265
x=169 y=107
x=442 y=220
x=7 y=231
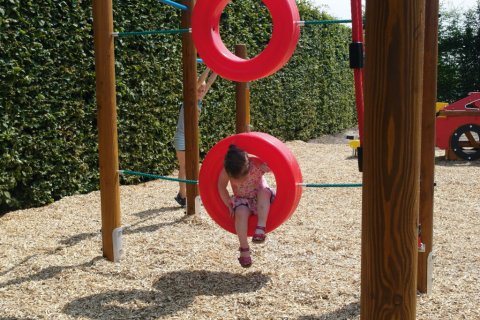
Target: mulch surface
x=179 y=267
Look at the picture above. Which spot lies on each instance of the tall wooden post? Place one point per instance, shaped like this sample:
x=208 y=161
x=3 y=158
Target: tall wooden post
x=391 y=178
x=242 y=97
x=427 y=167
x=107 y=122
x=192 y=149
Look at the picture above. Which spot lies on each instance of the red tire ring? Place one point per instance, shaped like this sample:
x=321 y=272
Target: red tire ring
x=280 y=160
x=206 y=36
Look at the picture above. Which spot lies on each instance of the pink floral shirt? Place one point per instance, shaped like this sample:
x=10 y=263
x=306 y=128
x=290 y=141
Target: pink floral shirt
x=255 y=181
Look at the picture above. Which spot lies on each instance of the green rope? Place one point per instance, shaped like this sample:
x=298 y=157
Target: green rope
x=330 y=185
x=142 y=33
x=154 y=176
x=311 y=22
x=307 y=185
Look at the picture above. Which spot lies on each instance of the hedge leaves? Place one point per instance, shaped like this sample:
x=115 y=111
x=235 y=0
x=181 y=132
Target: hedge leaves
x=48 y=130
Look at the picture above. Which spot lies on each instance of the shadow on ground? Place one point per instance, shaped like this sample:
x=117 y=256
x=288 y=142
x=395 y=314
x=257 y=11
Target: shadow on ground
x=441 y=161
x=171 y=293
x=51 y=272
x=47 y=273
x=144 y=216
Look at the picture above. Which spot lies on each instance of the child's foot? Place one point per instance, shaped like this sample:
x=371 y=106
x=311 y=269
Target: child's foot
x=245 y=259
x=259 y=236
x=181 y=201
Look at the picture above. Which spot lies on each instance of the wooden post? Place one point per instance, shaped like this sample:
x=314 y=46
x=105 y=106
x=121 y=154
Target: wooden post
x=450 y=155
x=391 y=178
x=192 y=149
x=242 y=96
x=427 y=166
x=107 y=122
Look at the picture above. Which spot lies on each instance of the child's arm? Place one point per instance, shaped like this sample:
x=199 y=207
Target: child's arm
x=222 y=190
x=203 y=76
x=210 y=81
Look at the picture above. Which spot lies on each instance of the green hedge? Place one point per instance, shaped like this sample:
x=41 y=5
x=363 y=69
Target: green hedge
x=48 y=134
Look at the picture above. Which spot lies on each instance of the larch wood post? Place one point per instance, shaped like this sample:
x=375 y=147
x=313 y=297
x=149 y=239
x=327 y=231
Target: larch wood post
x=192 y=149
x=427 y=167
x=242 y=97
x=391 y=178
x=107 y=122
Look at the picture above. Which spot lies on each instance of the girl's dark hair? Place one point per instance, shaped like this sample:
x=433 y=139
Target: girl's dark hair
x=235 y=162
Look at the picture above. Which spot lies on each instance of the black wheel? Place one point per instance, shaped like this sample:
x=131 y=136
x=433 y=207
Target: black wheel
x=465 y=142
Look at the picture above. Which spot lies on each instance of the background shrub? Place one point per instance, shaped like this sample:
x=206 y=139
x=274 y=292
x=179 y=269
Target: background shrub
x=48 y=130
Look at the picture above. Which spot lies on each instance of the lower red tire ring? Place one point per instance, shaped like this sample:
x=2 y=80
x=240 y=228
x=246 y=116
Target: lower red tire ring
x=206 y=36
x=280 y=160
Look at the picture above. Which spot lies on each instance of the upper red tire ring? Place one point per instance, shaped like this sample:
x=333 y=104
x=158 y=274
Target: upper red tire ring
x=206 y=36
x=278 y=157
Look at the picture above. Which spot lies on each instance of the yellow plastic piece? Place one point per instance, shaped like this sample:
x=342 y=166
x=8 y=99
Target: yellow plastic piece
x=440 y=106
x=354 y=144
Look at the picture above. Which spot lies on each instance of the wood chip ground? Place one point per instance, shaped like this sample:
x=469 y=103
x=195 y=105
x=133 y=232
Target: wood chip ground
x=178 y=267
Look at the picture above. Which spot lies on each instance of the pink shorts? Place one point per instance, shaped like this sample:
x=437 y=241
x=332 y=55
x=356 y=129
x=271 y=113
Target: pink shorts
x=250 y=203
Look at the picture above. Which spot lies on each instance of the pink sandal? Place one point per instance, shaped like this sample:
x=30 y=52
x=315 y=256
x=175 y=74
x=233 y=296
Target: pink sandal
x=259 y=237
x=245 y=261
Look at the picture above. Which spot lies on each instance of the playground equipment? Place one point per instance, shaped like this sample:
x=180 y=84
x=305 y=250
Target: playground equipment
x=458 y=128
x=280 y=160
x=356 y=63
x=282 y=12
x=209 y=44
x=391 y=188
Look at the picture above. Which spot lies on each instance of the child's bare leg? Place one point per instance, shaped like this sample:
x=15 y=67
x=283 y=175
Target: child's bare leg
x=241 y=227
x=263 y=207
x=181 y=173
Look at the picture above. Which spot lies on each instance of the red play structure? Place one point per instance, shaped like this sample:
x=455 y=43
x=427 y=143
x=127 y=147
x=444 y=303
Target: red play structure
x=458 y=128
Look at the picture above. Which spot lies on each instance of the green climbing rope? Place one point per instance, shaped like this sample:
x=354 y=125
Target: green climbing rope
x=306 y=185
x=331 y=185
x=143 y=33
x=154 y=176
